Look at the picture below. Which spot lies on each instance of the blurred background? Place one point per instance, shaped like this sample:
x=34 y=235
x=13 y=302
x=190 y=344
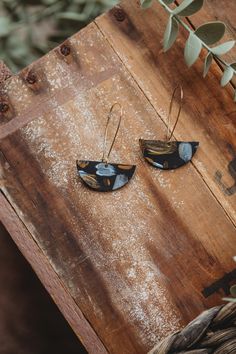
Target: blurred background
x=30 y=322
x=30 y=28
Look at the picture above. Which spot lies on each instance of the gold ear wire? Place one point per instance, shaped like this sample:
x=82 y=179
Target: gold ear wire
x=105 y=159
x=179 y=87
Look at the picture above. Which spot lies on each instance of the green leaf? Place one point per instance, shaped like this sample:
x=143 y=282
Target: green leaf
x=233 y=65
x=5 y=26
x=171 y=33
x=211 y=32
x=168 y=2
x=227 y=76
x=192 y=49
x=72 y=16
x=207 y=64
x=233 y=290
x=223 y=48
x=146 y=3
x=229 y=299
x=188 y=7
x=48 y=2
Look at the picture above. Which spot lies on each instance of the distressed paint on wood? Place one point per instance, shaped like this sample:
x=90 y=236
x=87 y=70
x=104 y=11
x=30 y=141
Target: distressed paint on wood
x=135 y=261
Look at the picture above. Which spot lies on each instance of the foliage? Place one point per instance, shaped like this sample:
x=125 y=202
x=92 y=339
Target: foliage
x=29 y=28
x=205 y=36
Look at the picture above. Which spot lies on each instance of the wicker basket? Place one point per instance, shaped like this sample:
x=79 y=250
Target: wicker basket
x=214 y=331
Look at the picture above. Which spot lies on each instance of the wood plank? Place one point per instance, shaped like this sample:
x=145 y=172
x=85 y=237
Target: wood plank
x=135 y=261
x=48 y=277
x=209 y=112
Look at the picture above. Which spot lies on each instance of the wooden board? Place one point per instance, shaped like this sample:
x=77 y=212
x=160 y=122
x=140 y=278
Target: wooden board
x=139 y=263
x=157 y=73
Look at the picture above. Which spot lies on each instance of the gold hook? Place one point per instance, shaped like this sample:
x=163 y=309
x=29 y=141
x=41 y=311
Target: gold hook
x=168 y=137
x=106 y=131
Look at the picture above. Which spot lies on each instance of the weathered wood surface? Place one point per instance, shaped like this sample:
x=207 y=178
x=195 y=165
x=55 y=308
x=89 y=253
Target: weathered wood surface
x=133 y=264
x=157 y=73
x=29 y=320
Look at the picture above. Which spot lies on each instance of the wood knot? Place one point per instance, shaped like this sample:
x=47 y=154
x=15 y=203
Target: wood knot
x=4 y=107
x=119 y=15
x=65 y=50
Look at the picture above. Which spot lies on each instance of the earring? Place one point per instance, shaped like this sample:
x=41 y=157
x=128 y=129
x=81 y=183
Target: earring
x=168 y=155
x=101 y=175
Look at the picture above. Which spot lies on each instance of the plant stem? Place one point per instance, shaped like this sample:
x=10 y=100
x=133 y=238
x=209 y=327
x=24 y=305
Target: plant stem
x=190 y=31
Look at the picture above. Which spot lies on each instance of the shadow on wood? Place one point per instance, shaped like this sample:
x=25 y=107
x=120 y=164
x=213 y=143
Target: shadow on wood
x=29 y=320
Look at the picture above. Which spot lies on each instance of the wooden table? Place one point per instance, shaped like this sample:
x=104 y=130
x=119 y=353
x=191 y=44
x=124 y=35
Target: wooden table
x=125 y=268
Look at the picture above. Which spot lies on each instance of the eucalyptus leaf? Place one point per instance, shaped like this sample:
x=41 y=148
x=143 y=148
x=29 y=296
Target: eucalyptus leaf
x=223 y=48
x=233 y=65
x=71 y=16
x=229 y=299
x=5 y=26
x=146 y=3
x=168 y=2
x=227 y=76
x=38 y=21
x=171 y=33
x=211 y=32
x=192 y=49
x=233 y=290
x=207 y=64
x=188 y=7
x=48 y=2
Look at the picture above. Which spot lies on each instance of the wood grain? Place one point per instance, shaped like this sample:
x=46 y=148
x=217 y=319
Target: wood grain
x=138 y=42
x=134 y=262
x=31 y=251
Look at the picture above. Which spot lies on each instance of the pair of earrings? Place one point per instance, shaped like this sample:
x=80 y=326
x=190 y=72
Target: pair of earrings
x=167 y=155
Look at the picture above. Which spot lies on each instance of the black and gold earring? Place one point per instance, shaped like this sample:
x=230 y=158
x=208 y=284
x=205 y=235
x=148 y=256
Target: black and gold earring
x=101 y=175
x=169 y=155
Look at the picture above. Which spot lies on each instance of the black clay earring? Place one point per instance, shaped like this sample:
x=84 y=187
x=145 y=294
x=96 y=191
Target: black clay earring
x=168 y=155
x=101 y=175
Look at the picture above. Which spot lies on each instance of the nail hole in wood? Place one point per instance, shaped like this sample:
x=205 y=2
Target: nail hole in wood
x=31 y=78
x=119 y=15
x=65 y=50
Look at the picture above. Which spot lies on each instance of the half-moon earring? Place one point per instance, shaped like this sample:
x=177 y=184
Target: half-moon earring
x=101 y=175
x=168 y=155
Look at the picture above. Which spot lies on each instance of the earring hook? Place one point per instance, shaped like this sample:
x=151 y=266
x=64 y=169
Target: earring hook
x=179 y=87
x=105 y=159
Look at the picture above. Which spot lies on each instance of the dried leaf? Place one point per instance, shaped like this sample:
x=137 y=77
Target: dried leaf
x=171 y=33
x=188 y=7
x=227 y=76
x=207 y=64
x=223 y=48
x=192 y=49
x=211 y=32
x=191 y=334
x=146 y=3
